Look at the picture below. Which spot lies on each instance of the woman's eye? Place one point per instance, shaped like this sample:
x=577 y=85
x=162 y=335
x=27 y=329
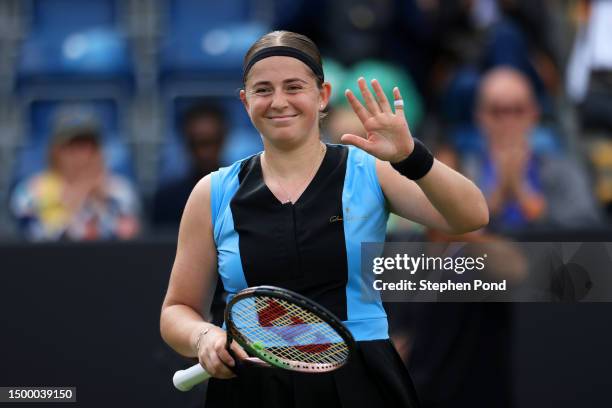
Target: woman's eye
x=260 y=91
x=294 y=88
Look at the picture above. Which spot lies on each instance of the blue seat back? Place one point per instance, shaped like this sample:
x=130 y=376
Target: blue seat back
x=208 y=36
x=72 y=37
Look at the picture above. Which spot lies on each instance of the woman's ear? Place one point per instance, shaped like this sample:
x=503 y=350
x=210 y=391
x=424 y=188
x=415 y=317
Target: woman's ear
x=324 y=95
x=244 y=101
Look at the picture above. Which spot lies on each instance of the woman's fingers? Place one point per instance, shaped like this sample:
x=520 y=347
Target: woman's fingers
x=362 y=113
x=214 y=357
x=238 y=351
x=398 y=102
x=382 y=98
x=226 y=357
x=216 y=367
x=373 y=106
x=388 y=133
x=356 y=141
x=371 y=103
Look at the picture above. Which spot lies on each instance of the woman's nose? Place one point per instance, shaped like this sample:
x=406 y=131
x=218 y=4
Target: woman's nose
x=279 y=101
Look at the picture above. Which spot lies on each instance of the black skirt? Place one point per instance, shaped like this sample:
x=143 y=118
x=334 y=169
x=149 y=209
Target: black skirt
x=374 y=377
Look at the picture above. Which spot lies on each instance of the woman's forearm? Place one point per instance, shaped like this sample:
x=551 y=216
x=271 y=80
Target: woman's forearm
x=457 y=199
x=180 y=326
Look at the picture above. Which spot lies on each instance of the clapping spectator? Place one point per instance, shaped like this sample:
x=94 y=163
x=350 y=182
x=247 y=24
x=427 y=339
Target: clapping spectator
x=524 y=189
x=76 y=197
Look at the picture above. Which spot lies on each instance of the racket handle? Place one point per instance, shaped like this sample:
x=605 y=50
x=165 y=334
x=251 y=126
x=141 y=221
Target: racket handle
x=184 y=380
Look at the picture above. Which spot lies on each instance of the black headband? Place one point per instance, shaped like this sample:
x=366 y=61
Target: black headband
x=282 y=51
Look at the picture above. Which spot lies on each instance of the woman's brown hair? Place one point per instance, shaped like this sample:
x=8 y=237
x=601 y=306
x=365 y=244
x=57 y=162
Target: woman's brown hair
x=287 y=39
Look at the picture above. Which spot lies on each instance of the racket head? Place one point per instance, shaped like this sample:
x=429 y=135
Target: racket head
x=288 y=330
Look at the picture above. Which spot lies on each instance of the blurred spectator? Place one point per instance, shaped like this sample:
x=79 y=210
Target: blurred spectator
x=524 y=189
x=205 y=129
x=76 y=198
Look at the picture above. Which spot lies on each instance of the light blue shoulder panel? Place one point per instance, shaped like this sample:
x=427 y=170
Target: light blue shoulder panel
x=224 y=184
x=365 y=216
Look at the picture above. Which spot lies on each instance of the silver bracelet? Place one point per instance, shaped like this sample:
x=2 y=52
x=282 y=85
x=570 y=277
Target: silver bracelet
x=202 y=333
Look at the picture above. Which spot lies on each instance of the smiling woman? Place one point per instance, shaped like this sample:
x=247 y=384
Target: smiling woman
x=295 y=216
x=283 y=99
x=284 y=90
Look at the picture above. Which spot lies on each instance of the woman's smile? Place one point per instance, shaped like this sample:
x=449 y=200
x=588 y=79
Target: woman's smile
x=281 y=118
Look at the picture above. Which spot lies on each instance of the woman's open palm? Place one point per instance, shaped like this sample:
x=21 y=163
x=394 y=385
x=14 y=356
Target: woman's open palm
x=388 y=137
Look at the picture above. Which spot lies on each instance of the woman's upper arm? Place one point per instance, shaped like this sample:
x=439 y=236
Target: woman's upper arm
x=406 y=198
x=194 y=272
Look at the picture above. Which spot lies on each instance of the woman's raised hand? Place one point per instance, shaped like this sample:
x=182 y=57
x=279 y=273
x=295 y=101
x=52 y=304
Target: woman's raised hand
x=388 y=136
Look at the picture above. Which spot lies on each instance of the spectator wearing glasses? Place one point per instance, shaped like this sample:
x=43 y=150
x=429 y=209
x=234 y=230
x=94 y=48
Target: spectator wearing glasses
x=524 y=189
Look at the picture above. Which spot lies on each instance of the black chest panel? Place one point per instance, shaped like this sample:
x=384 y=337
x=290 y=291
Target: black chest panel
x=297 y=246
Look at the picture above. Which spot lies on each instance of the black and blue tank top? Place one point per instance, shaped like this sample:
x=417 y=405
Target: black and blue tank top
x=313 y=246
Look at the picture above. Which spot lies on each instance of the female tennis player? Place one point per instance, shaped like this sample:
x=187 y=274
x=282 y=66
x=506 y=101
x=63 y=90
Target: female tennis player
x=295 y=216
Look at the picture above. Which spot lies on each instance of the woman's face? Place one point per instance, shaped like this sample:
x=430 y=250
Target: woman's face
x=282 y=99
x=77 y=157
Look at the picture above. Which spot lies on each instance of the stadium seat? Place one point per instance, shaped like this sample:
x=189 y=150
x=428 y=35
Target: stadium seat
x=208 y=37
x=73 y=39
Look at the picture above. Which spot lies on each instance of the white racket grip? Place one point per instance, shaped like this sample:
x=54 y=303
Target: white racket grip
x=184 y=380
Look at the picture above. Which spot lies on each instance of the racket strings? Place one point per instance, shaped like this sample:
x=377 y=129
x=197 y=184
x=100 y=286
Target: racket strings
x=337 y=355
x=337 y=352
x=289 y=332
x=296 y=332
x=297 y=324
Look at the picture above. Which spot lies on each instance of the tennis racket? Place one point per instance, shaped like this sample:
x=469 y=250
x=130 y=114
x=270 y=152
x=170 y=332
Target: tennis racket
x=282 y=329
